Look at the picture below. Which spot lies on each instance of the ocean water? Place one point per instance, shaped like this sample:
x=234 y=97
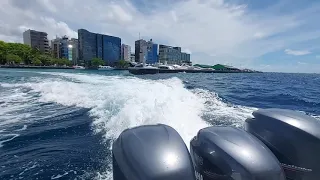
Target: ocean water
x=59 y=124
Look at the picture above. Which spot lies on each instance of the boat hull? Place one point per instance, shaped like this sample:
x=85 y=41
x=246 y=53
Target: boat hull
x=105 y=69
x=141 y=71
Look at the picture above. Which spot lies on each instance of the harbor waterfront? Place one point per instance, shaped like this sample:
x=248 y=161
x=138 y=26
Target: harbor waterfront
x=88 y=53
x=142 y=71
x=36 y=67
x=137 y=70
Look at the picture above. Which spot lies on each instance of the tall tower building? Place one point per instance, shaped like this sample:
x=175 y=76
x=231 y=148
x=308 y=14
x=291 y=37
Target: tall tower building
x=65 y=48
x=37 y=39
x=169 y=54
x=125 y=52
x=140 y=50
x=152 y=54
x=94 y=45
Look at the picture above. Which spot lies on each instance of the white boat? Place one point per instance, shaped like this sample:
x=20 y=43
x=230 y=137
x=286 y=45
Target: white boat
x=140 y=69
x=105 y=68
x=78 y=67
x=165 y=67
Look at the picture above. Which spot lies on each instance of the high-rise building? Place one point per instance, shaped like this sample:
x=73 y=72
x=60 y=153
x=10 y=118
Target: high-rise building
x=65 y=48
x=55 y=47
x=36 y=39
x=152 y=54
x=173 y=55
x=140 y=50
x=169 y=54
x=93 y=45
x=147 y=51
x=73 y=47
x=185 y=57
x=132 y=57
x=125 y=52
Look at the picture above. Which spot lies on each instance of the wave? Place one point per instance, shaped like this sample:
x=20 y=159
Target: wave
x=117 y=103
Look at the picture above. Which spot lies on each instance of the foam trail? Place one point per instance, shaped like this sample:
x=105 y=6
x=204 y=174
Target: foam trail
x=13 y=101
x=218 y=112
x=118 y=103
x=4 y=138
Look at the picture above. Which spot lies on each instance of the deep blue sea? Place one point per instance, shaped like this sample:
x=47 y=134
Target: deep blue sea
x=59 y=124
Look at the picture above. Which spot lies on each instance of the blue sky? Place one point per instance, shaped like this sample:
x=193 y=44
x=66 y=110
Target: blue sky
x=279 y=35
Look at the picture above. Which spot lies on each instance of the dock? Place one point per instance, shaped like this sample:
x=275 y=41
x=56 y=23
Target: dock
x=141 y=71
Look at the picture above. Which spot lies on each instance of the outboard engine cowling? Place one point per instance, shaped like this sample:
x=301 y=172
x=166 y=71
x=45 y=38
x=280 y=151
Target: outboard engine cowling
x=228 y=153
x=151 y=152
x=293 y=137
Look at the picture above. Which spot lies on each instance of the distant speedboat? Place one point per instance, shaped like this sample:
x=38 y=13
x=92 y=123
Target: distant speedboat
x=140 y=69
x=166 y=67
x=105 y=68
x=78 y=67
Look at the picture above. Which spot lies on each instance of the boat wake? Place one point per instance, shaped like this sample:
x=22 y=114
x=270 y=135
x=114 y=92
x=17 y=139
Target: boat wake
x=118 y=102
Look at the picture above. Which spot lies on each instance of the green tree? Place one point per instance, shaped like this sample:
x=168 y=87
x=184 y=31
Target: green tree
x=21 y=50
x=95 y=62
x=123 y=64
x=46 y=60
x=12 y=58
x=3 y=52
x=3 y=59
x=36 y=61
x=66 y=62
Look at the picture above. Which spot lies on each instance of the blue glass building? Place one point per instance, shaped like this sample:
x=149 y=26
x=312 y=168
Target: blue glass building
x=64 y=48
x=111 y=48
x=93 y=45
x=152 y=54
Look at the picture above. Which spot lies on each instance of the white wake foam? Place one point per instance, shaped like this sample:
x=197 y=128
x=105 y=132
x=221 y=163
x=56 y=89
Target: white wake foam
x=12 y=101
x=121 y=102
x=218 y=112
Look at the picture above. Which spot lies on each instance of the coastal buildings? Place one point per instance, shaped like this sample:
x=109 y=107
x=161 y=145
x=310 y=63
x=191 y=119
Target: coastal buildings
x=125 y=52
x=73 y=47
x=37 y=40
x=91 y=45
x=169 y=54
x=132 y=57
x=140 y=50
x=185 y=58
x=65 y=48
x=55 y=47
x=94 y=45
x=152 y=52
x=147 y=51
x=172 y=55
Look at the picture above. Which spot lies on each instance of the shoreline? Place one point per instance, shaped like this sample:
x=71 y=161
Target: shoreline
x=36 y=67
x=143 y=71
x=137 y=72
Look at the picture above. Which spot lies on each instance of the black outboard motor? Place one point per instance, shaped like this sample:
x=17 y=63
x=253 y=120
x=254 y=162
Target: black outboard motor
x=151 y=152
x=294 y=138
x=228 y=153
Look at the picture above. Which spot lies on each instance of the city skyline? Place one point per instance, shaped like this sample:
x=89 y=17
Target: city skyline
x=91 y=45
x=276 y=35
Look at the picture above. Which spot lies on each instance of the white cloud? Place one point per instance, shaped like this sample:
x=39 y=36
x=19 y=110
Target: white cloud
x=231 y=32
x=12 y=27
x=296 y=52
x=259 y=35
